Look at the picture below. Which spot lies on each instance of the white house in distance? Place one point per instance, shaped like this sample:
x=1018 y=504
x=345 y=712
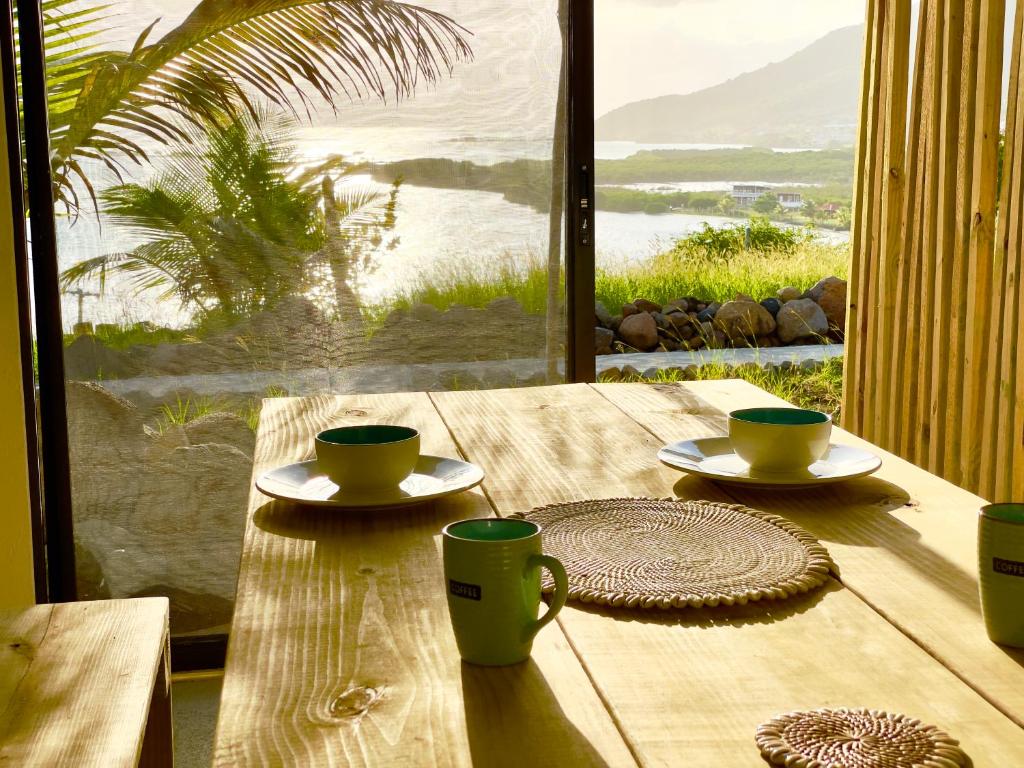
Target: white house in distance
x=746 y=194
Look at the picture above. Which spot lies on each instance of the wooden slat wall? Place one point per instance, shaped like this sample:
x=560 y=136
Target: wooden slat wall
x=934 y=369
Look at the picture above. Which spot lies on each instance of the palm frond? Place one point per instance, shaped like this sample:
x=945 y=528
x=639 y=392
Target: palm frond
x=226 y=53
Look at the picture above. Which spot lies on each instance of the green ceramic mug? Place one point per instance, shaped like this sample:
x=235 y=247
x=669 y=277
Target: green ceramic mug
x=492 y=576
x=1001 y=572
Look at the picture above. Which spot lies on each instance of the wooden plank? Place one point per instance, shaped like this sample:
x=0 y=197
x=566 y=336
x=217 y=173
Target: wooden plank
x=947 y=213
x=904 y=332
x=76 y=682
x=863 y=222
x=981 y=312
x=882 y=317
x=689 y=689
x=995 y=479
x=158 y=739
x=905 y=540
x=341 y=651
x=916 y=431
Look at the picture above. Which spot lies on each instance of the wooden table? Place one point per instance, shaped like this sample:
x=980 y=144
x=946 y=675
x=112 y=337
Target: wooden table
x=86 y=684
x=341 y=651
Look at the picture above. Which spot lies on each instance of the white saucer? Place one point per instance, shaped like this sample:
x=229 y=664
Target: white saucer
x=432 y=478
x=714 y=458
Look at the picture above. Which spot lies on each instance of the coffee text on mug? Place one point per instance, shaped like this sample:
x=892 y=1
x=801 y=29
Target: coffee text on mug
x=1008 y=567
x=469 y=591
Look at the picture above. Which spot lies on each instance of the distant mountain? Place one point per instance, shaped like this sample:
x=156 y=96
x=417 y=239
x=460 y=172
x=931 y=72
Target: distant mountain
x=808 y=100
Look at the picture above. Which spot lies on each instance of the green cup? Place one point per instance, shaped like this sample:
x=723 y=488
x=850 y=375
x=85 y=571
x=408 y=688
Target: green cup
x=1001 y=572
x=492 y=575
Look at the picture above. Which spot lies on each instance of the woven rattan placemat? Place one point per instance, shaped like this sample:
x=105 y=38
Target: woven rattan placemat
x=661 y=553
x=856 y=738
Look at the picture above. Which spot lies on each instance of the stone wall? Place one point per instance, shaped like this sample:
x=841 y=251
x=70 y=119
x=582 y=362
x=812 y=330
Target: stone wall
x=688 y=323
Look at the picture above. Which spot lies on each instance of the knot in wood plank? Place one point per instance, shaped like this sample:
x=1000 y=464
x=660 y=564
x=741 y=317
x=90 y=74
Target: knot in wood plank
x=355 y=701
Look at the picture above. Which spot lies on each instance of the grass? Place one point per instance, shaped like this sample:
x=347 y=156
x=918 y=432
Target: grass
x=667 y=276
x=463 y=285
x=126 y=336
x=675 y=274
x=820 y=389
x=182 y=412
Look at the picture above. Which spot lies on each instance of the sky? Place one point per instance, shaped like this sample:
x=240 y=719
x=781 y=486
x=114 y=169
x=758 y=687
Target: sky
x=647 y=48
x=643 y=49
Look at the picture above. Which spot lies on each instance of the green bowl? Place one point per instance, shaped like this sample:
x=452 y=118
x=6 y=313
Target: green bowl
x=779 y=439
x=368 y=457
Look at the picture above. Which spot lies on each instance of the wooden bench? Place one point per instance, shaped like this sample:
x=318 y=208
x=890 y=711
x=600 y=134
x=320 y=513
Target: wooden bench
x=86 y=684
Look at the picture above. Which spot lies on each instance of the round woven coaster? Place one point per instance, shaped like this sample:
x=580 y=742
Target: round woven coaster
x=660 y=553
x=856 y=738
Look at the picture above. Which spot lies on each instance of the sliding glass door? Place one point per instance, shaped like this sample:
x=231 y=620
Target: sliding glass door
x=282 y=199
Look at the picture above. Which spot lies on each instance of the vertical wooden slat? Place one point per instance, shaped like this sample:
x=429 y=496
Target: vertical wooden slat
x=981 y=312
x=1006 y=411
x=947 y=209
x=903 y=330
x=1017 y=465
x=919 y=432
x=861 y=231
x=893 y=178
x=935 y=361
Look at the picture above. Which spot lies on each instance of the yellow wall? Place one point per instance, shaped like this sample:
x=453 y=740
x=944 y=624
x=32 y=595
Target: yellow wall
x=16 y=581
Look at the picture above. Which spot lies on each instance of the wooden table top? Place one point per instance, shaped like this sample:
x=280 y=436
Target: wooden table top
x=341 y=651
x=77 y=681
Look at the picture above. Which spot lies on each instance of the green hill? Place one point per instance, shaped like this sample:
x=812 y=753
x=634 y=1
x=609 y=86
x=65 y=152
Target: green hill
x=808 y=100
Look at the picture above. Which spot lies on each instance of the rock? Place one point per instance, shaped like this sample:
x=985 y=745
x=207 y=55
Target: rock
x=221 y=429
x=629 y=309
x=695 y=343
x=660 y=320
x=504 y=305
x=629 y=372
x=603 y=339
x=707 y=330
x=801 y=319
x=670 y=345
x=650 y=374
x=646 y=306
x=717 y=340
x=427 y=313
x=639 y=331
x=709 y=312
x=610 y=375
x=742 y=297
x=602 y=314
x=789 y=293
x=772 y=305
x=740 y=320
x=89 y=358
x=830 y=295
x=615 y=322
x=679 y=304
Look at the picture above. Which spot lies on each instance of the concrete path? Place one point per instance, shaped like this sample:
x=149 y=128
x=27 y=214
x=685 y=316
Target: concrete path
x=456 y=375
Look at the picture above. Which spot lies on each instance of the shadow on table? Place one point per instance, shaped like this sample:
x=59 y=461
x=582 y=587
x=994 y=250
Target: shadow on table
x=759 y=612
x=514 y=719
x=857 y=514
x=296 y=521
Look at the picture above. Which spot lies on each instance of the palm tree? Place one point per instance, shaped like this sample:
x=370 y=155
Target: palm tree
x=105 y=104
x=230 y=227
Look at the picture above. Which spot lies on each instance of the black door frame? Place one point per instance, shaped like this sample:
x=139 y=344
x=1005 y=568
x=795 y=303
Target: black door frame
x=54 y=546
